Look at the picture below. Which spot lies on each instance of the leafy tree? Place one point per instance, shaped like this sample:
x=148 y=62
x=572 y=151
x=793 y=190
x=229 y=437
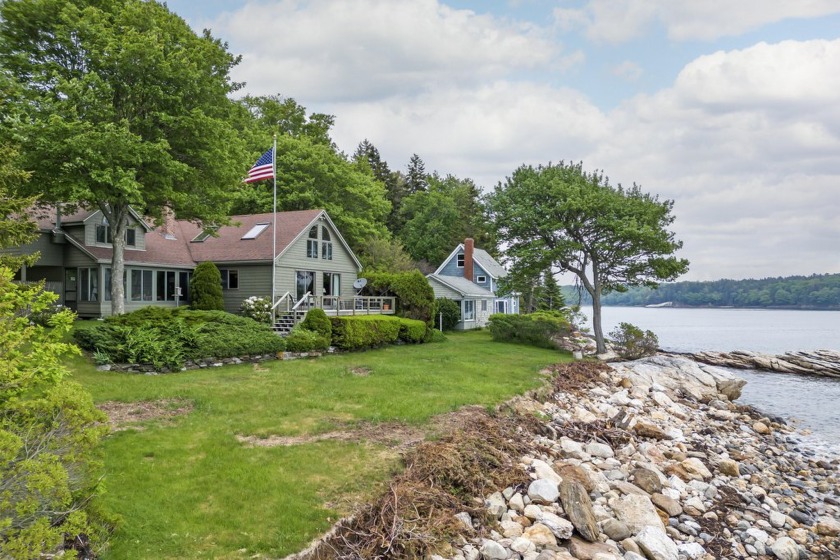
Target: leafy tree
x=609 y=237
x=379 y=254
x=49 y=428
x=206 y=288
x=124 y=106
x=313 y=175
x=284 y=115
x=447 y=314
x=437 y=219
x=416 y=178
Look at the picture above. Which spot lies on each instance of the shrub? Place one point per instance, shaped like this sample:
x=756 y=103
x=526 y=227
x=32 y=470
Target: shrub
x=536 y=329
x=415 y=298
x=412 y=331
x=631 y=343
x=166 y=337
x=45 y=315
x=302 y=339
x=367 y=331
x=316 y=320
x=206 y=287
x=434 y=335
x=451 y=313
x=257 y=308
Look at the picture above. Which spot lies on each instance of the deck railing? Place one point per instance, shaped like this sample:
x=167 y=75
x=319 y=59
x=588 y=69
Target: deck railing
x=349 y=305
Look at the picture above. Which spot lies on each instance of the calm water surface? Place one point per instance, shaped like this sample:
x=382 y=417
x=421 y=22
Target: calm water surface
x=809 y=401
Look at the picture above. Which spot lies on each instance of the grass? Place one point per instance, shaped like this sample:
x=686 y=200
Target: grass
x=187 y=488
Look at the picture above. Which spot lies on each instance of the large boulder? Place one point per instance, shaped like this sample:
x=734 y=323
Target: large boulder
x=703 y=382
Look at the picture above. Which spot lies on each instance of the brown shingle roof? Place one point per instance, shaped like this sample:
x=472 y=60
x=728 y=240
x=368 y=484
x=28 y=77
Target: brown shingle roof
x=229 y=245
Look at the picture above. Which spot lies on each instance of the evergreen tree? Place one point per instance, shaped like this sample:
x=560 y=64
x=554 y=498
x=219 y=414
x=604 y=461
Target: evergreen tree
x=416 y=178
x=206 y=288
x=551 y=298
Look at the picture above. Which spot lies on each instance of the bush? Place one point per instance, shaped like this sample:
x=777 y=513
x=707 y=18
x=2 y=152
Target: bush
x=206 y=287
x=302 y=339
x=165 y=338
x=367 y=331
x=257 y=308
x=415 y=298
x=317 y=321
x=631 y=343
x=434 y=335
x=412 y=331
x=451 y=313
x=536 y=329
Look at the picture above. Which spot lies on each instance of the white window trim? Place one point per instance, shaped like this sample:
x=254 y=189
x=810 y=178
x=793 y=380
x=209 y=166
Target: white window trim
x=481 y=279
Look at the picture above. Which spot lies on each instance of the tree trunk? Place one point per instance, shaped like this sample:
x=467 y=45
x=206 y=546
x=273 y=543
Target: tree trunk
x=117 y=215
x=598 y=329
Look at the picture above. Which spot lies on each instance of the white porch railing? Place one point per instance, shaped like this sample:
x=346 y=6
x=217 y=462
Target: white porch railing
x=348 y=305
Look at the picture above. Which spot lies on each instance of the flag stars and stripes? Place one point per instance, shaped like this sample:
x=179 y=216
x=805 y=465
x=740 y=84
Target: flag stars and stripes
x=263 y=169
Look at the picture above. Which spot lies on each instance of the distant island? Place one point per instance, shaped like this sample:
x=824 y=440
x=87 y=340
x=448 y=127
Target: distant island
x=818 y=291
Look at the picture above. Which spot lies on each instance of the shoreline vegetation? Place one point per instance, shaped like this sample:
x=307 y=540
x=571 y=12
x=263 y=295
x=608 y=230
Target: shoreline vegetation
x=815 y=292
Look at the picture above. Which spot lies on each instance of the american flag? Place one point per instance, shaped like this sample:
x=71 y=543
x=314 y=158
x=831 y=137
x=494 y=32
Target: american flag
x=263 y=169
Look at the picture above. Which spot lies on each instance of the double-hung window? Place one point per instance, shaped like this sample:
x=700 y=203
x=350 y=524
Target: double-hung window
x=230 y=279
x=469 y=310
x=326 y=244
x=312 y=243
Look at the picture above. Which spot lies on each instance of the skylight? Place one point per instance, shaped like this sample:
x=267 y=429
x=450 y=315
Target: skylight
x=255 y=231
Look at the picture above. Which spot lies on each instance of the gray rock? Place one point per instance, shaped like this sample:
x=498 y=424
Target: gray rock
x=578 y=508
x=465 y=520
x=496 y=505
x=668 y=505
x=647 y=480
x=785 y=549
x=561 y=528
x=543 y=491
x=693 y=551
x=615 y=529
x=777 y=519
x=491 y=550
x=599 y=450
x=630 y=555
x=637 y=512
x=656 y=544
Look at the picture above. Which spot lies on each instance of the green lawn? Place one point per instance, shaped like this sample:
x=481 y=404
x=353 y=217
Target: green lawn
x=187 y=488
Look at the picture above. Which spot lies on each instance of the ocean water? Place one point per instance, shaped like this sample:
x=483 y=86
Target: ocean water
x=811 y=403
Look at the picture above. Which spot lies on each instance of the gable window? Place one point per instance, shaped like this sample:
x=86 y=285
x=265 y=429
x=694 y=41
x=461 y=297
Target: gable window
x=469 y=310
x=141 y=285
x=131 y=237
x=326 y=244
x=312 y=243
x=481 y=279
x=89 y=284
x=103 y=233
x=230 y=279
x=460 y=261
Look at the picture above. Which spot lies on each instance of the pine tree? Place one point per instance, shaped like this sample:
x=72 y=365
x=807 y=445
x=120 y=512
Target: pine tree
x=416 y=179
x=206 y=288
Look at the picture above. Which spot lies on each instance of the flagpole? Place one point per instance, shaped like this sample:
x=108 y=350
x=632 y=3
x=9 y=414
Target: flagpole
x=274 y=230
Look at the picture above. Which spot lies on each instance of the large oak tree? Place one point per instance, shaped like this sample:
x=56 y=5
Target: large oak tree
x=124 y=105
x=609 y=237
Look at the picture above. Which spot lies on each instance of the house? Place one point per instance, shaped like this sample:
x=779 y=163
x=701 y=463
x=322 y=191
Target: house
x=470 y=276
x=314 y=266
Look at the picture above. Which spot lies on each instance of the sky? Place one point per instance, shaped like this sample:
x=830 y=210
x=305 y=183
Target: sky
x=731 y=109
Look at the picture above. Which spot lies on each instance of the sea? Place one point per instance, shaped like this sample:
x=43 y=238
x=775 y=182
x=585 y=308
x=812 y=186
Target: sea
x=810 y=403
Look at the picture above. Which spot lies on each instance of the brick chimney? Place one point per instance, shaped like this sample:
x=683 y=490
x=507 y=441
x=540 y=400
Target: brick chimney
x=469 y=246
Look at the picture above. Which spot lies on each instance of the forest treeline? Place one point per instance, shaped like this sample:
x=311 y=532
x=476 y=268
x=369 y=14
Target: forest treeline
x=818 y=291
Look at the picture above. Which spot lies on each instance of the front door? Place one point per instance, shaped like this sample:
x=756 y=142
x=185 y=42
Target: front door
x=70 y=288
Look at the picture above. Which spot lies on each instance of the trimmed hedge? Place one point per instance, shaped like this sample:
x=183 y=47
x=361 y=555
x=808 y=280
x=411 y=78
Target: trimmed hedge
x=365 y=331
x=302 y=339
x=536 y=329
x=206 y=287
x=412 y=331
x=167 y=337
x=316 y=320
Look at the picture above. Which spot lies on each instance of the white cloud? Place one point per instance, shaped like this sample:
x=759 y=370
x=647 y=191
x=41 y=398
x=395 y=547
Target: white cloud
x=628 y=70
x=617 y=21
x=333 y=49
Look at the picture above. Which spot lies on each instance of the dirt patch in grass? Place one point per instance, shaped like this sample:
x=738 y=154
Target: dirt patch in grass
x=123 y=415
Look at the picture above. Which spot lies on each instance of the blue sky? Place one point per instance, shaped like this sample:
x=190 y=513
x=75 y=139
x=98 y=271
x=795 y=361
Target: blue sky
x=730 y=109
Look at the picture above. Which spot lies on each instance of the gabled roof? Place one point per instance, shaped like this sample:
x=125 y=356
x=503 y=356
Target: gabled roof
x=45 y=217
x=462 y=286
x=490 y=265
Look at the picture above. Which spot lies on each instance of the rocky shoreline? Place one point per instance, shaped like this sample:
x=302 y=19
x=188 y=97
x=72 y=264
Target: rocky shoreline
x=818 y=362
x=653 y=460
